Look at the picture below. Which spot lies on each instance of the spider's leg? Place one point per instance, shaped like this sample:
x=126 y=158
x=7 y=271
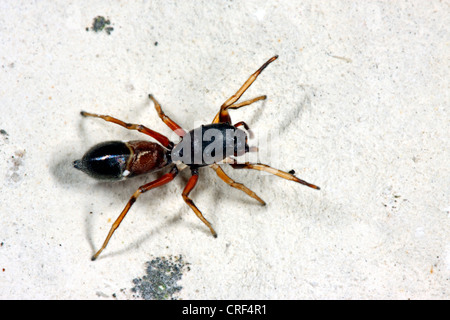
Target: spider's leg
x=237 y=106
x=223 y=113
x=169 y=122
x=266 y=168
x=154 y=184
x=156 y=135
x=189 y=186
x=246 y=102
x=242 y=123
x=222 y=175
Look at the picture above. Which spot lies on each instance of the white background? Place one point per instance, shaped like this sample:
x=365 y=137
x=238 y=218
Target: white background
x=357 y=104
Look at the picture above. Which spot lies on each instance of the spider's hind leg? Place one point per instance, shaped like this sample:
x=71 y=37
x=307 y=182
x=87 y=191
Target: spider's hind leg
x=169 y=122
x=131 y=126
x=146 y=187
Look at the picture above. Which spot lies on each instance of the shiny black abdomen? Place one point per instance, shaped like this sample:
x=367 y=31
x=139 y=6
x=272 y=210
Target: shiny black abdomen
x=105 y=161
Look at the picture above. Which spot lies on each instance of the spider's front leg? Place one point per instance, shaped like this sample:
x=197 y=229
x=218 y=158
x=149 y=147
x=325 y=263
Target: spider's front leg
x=266 y=168
x=223 y=115
x=226 y=115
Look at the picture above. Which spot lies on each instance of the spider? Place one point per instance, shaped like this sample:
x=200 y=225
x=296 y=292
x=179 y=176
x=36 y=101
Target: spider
x=116 y=160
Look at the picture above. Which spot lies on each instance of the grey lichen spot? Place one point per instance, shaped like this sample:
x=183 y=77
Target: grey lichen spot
x=4 y=137
x=161 y=279
x=16 y=162
x=101 y=23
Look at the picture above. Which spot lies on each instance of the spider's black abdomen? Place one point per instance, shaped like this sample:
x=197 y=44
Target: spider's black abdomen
x=210 y=144
x=105 y=161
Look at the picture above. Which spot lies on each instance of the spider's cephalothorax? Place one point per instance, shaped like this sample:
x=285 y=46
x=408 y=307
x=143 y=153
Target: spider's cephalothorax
x=209 y=144
x=206 y=145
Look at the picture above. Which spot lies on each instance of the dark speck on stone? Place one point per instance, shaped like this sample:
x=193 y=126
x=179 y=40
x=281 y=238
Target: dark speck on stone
x=101 y=23
x=160 y=280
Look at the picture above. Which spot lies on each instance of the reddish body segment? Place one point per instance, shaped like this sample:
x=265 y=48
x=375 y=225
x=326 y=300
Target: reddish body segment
x=147 y=157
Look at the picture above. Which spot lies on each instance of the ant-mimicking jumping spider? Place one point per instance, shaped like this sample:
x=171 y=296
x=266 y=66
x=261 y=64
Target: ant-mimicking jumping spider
x=115 y=160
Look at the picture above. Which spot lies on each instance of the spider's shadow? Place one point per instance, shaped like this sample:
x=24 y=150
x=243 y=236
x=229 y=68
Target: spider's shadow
x=158 y=193
x=65 y=174
x=62 y=170
x=147 y=201
x=174 y=219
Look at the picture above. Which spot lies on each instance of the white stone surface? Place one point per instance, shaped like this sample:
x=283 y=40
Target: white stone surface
x=357 y=103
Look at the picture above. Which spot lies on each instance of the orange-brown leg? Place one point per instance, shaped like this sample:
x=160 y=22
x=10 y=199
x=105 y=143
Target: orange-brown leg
x=156 y=135
x=237 y=106
x=222 y=175
x=154 y=184
x=189 y=186
x=223 y=113
x=279 y=173
x=246 y=102
x=242 y=123
x=169 y=122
